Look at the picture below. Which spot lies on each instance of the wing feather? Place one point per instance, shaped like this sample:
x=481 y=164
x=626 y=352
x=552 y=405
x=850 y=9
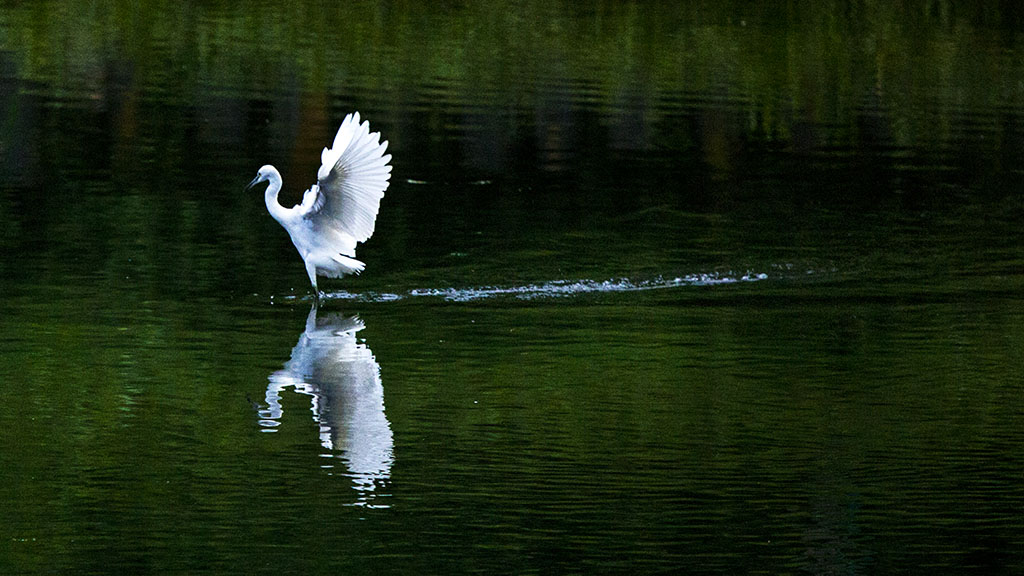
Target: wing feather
x=351 y=181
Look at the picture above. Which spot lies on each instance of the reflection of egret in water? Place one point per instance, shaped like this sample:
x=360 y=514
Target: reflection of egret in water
x=342 y=379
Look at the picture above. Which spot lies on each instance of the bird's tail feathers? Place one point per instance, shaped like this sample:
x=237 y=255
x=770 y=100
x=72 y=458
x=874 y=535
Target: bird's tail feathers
x=342 y=265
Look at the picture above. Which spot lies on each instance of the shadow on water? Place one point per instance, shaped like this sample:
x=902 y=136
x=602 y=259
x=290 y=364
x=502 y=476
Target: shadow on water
x=342 y=379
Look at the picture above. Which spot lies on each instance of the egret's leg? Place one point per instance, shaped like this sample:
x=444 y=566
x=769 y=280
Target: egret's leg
x=311 y=270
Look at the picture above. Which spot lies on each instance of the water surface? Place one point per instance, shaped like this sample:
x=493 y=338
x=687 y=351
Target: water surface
x=655 y=288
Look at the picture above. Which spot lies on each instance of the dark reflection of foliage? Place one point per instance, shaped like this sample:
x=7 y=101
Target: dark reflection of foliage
x=139 y=120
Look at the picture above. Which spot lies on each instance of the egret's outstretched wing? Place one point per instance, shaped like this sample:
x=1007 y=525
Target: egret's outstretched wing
x=351 y=181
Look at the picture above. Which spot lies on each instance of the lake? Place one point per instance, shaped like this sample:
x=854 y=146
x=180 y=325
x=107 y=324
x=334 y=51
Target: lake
x=709 y=288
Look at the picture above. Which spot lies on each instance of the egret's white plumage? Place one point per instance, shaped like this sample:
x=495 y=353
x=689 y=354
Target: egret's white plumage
x=340 y=210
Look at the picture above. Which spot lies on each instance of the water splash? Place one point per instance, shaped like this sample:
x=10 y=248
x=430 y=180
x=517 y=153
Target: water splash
x=552 y=289
x=566 y=288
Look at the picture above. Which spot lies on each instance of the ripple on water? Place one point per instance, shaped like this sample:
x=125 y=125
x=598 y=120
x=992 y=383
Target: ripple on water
x=552 y=289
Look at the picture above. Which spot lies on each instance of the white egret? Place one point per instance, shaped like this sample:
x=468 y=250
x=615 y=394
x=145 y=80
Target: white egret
x=341 y=208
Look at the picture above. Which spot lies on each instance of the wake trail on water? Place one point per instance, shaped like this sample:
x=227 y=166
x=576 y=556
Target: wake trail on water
x=547 y=290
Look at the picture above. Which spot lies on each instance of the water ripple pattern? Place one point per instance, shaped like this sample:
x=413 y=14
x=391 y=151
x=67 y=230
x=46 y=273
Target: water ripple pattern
x=552 y=289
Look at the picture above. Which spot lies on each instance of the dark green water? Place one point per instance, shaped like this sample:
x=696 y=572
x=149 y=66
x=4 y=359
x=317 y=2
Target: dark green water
x=657 y=288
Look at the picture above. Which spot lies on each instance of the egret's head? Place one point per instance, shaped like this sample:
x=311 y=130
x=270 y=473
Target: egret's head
x=261 y=176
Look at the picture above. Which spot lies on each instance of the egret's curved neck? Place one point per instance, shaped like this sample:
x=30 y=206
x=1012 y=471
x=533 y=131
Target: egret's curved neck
x=270 y=196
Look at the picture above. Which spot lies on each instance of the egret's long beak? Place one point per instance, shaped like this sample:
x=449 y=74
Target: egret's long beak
x=254 y=182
